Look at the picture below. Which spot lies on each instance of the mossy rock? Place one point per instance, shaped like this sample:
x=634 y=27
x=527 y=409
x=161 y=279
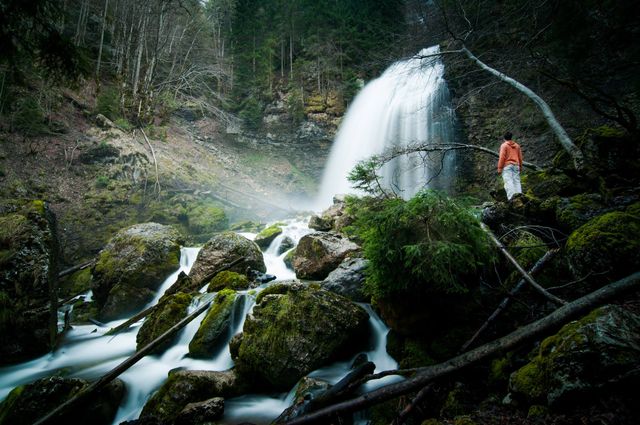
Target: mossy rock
x=291 y=334
x=573 y=212
x=216 y=326
x=409 y=352
x=288 y=259
x=548 y=183
x=584 y=356
x=190 y=386
x=457 y=402
x=174 y=309
x=28 y=270
x=606 y=248
x=226 y=279
x=28 y=403
x=319 y=253
x=266 y=236
x=528 y=249
x=204 y=220
x=246 y=226
x=132 y=266
x=221 y=250
x=77 y=282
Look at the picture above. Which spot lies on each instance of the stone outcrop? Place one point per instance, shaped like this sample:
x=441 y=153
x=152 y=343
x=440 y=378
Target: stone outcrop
x=221 y=250
x=319 y=253
x=266 y=236
x=28 y=269
x=28 y=403
x=190 y=386
x=293 y=330
x=583 y=358
x=132 y=266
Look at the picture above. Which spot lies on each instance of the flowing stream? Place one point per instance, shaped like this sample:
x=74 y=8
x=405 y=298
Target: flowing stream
x=87 y=353
x=408 y=104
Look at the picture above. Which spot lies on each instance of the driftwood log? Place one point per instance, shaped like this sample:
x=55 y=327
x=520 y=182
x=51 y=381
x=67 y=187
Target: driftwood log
x=425 y=375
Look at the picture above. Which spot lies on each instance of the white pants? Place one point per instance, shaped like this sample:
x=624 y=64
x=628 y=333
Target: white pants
x=511 y=178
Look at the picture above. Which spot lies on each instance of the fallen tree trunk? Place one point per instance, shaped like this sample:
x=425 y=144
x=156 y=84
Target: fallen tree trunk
x=531 y=331
x=122 y=367
x=77 y=267
x=527 y=276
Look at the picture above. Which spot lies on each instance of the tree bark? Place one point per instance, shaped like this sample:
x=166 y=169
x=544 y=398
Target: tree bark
x=425 y=375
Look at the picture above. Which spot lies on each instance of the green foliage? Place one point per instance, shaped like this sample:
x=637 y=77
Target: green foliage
x=29 y=117
x=365 y=177
x=429 y=244
x=108 y=103
x=101 y=182
x=295 y=105
x=124 y=124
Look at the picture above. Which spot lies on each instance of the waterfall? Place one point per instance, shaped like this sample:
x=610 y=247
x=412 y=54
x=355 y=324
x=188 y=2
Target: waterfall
x=408 y=104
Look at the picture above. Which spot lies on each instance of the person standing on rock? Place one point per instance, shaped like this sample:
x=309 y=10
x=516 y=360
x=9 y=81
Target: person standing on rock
x=510 y=165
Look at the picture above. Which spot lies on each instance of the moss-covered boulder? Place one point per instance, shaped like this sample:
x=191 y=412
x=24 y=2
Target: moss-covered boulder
x=266 y=236
x=28 y=271
x=221 y=250
x=174 y=308
x=319 y=253
x=575 y=211
x=606 y=248
x=132 y=266
x=547 y=183
x=204 y=220
x=28 y=403
x=216 y=326
x=294 y=330
x=584 y=357
x=190 y=386
x=227 y=279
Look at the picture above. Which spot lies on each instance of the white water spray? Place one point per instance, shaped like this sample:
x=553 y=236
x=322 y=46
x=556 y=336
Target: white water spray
x=408 y=104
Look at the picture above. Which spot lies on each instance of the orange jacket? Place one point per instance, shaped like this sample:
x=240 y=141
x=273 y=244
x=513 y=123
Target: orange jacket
x=510 y=153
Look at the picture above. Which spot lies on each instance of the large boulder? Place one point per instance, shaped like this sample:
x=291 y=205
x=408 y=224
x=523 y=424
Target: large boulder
x=293 y=330
x=215 y=327
x=606 y=247
x=333 y=218
x=347 y=279
x=221 y=250
x=28 y=270
x=173 y=309
x=190 y=386
x=201 y=412
x=132 y=266
x=268 y=235
x=319 y=253
x=28 y=403
x=584 y=357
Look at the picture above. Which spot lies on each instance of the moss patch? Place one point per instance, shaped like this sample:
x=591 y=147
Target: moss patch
x=173 y=310
x=215 y=327
x=228 y=279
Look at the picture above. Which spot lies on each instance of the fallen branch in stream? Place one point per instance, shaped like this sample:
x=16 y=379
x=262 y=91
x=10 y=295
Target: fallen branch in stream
x=425 y=375
x=122 y=367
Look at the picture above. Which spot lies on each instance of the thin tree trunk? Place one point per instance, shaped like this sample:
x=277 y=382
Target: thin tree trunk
x=574 y=152
x=104 y=22
x=425 y=375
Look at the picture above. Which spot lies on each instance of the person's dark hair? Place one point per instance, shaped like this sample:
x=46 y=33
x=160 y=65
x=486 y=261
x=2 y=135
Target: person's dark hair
x=508 y=135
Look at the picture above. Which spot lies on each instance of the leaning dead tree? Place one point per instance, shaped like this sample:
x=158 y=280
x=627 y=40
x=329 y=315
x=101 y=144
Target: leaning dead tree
x=424 y=375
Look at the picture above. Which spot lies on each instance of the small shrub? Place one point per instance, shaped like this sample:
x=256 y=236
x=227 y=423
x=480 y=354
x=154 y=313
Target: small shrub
x=102 y=181
x=108 y=103
x=123 y=124
x=431 y=243
x=29 y=117
x=251 y=113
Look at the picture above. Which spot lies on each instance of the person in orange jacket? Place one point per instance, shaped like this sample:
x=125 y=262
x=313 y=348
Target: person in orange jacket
x=510 y=165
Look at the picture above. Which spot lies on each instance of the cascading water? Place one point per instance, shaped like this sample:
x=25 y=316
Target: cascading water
x=408 y=104
x=87 y=353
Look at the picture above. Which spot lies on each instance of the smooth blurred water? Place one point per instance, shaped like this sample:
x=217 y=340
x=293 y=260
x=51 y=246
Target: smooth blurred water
x=408 y=104
x=87 y=353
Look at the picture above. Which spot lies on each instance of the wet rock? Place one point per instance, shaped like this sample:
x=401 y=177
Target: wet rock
x=28 y=403
x=286 y=244
x=190 y=386
x=228 y=280
x=265 y=237
x=215 y=328
x=102 y=153
x=573 y=212
x=171 y=311
x=294 y=329
x=597 y=352
x=132 y=266
x=201 y=412
x=222 y=249
x=347 y=279
x=317 y=254
x=321 y=224
x=307 y=389
x=28 y=269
